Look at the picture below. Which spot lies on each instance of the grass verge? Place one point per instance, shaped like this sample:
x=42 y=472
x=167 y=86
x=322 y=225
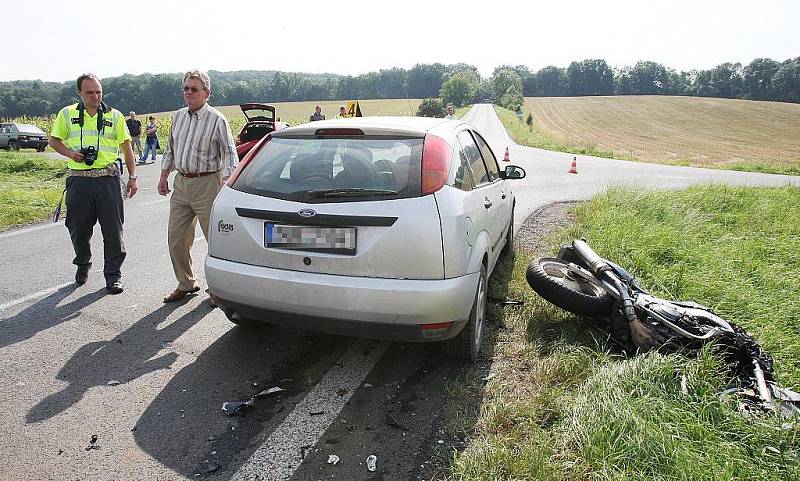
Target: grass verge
x=30 y=186
x=561 y=403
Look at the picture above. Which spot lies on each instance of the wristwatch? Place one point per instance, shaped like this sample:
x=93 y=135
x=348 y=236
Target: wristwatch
x=131 y=177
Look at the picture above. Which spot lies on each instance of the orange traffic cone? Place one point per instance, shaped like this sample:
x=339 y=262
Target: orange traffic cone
x=505 y=157
x=573 y=169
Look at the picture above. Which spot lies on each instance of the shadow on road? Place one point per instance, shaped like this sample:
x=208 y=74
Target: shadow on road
x=124 y=358
x=44 y=314
x=184 y=424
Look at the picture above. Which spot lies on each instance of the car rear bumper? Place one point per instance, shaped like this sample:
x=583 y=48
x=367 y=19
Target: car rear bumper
x=33 y=144
x=359 y=306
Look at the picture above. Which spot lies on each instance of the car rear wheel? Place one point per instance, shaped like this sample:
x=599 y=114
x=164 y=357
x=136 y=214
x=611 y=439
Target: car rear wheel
x=467 y=344
x=12 y=144
x=237 y=319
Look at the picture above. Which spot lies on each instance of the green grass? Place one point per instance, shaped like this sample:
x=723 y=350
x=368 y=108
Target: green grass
x=30 y=187
x=563 y=404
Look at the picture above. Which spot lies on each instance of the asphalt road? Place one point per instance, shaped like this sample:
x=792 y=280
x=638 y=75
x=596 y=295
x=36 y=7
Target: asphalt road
x=149 y=380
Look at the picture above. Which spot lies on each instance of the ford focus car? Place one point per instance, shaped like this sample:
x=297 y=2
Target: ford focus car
x=382 y=227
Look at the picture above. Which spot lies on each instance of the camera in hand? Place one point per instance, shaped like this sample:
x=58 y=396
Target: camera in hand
x=89 y=154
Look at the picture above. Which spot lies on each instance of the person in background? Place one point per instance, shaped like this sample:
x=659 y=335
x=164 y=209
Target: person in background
x=135 y=129
x=200 y=148
x=151 y=139
x=317 y=115
x=342 y=112
x=90 y=134
x=450 y=111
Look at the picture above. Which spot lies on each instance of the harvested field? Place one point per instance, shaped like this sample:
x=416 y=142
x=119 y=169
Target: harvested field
x=693 y=131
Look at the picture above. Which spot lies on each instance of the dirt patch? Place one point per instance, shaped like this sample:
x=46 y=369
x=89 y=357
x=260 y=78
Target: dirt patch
x=533 y=235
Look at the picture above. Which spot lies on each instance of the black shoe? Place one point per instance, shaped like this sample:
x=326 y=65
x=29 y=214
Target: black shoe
x=115 y=287
x=81 y=275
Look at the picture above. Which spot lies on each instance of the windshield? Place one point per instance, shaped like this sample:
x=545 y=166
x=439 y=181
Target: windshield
x=29 y=129
x=313 y=169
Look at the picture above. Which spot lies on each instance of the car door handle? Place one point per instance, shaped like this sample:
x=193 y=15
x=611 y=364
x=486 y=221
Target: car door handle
x=486 y=202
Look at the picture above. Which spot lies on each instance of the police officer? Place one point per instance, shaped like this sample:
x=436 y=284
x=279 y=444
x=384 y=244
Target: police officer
x=90 y=134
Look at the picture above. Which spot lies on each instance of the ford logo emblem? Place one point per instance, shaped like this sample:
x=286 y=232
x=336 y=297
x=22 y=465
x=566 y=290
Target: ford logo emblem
x=306 y=212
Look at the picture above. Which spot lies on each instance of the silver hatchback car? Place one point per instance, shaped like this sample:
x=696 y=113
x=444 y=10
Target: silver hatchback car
x=382 y=227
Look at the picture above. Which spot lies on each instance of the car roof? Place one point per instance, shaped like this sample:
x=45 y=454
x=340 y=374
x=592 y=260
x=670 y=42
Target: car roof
x=375 y=125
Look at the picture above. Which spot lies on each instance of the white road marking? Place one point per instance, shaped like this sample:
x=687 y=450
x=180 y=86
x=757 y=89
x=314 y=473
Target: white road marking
x=30 y=229
x=35 y=295
x=279 y=457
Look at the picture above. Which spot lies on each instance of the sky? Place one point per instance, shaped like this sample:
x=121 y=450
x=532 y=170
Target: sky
x=42 y=38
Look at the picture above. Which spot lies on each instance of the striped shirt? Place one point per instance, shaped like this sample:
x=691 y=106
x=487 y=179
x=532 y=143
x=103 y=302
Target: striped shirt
x=199 y=142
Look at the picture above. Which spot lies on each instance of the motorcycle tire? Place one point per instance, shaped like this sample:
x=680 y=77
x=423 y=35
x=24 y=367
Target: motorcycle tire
x=549 y=278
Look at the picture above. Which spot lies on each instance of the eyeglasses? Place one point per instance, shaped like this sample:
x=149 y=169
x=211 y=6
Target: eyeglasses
x=191 y=89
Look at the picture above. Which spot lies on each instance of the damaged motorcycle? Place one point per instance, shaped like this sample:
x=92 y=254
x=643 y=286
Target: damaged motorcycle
x=582 y=282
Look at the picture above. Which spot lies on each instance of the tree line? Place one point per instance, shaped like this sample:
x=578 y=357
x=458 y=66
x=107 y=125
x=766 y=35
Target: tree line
x=460 y=84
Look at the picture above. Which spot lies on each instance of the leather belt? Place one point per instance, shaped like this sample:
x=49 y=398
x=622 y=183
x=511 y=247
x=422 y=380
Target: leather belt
x=109 y=170
x=196 y=174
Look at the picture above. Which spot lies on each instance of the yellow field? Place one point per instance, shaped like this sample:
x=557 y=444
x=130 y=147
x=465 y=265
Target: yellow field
x=676 y=130
x=298 y=112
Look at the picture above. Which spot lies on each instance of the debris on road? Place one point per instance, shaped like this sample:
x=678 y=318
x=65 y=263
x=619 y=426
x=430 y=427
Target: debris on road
x=233 y=407
x=93 y=443
x=271 y=390
x=212 y=466
x=316 y=413
x=113 y=383
x=372 y=462
x=333 y=459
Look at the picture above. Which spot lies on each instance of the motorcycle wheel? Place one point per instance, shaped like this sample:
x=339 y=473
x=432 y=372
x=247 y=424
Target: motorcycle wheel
x=550 y=279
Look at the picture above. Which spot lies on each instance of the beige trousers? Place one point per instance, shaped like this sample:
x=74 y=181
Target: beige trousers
x=192 y=198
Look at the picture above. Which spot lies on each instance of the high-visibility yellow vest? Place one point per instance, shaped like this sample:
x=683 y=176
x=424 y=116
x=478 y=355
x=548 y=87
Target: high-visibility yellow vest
x=107 y=140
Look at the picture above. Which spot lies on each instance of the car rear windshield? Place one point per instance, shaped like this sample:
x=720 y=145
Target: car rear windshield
x=324 y=169
x=29 y=129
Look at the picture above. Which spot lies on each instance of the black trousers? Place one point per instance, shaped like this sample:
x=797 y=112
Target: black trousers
x=89 y=200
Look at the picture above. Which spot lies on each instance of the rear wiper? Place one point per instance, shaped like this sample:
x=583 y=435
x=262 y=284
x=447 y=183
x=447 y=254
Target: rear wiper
x=351 y=192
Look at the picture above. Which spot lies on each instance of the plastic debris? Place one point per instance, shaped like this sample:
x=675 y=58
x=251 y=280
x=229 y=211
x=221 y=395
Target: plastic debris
x=93 y=443
x=271 y=390
x=333 y=459
x=113 y=383
x=233 y=407
x=372 y=462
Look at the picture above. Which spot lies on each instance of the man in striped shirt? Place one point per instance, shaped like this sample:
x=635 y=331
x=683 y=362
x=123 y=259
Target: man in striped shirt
x=201 y=149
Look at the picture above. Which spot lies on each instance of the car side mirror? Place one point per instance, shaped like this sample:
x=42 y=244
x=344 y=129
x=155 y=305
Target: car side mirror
x=513 y=172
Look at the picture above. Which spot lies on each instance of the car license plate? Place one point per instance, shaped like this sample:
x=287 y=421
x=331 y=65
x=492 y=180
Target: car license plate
x=337 y=240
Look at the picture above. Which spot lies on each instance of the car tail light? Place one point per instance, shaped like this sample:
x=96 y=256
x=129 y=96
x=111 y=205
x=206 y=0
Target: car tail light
x=246 y=160
x=436 y=156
